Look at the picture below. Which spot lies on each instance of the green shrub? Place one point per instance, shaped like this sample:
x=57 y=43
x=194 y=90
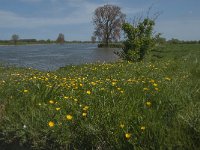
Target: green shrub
x=139 y=40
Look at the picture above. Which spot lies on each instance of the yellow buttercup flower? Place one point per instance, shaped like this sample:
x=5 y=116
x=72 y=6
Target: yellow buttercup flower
x=155 y=84
x=148 y=103
x=156 y=89
x=145 y=89
x=57 y=108
x=86 y=108
x=69 y=117
x=51 y=124
x=152 y=81
x=128 y=135
x=142 y=128
x=122 y=126
x=51 y=101
x=167 y=78
x=84 y=114
x=88 y=92
x=25 y=91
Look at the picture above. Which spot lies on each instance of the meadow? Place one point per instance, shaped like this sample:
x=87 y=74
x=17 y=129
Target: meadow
x=154 y=104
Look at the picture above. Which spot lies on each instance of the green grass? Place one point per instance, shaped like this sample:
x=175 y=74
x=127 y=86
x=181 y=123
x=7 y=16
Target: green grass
x=155 y=103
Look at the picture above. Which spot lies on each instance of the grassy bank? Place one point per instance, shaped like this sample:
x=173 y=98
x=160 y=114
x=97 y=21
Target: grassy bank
x=148 y=105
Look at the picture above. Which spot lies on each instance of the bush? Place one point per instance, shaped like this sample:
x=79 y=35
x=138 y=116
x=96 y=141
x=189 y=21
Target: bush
x=110 y=45
x=139 y=40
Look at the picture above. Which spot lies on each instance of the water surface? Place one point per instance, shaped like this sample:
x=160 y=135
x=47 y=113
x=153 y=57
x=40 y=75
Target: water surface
x=54 y=56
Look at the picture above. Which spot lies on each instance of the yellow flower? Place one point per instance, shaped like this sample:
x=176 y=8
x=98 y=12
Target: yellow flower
x=114 y=83
x=86 y=108
x=167 y=78
x=148 y=103
x=155 y=84
x=152 y=81
x=69 y=117
x=51 y=124
x=88 y=92
x=93 y=83
x=57 y=108
x=51 y=101
x=128 y=135
x=122 y=126
x=156 y=89
x=81 y=84
x=145 y=89
x=142 y=128
x=25 y=91
x=84 y=114
x=76 y=100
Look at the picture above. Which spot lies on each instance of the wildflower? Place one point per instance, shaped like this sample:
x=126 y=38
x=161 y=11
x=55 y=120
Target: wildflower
x=152 y=81
x=69 y=117
x=39 y=104
x=148 y=103
x=51 y=124
x=86 y=108
x=66 y=97
x=93 y=83
x=121 y=126
x=51 y=101
x=114 y=83
x=81 y=84
x=88 y=92
x=145 y=89
x=57 y=108
x=167 y=78
x=156 y=89
x=25 y=91
x=128 y=135
x=102 y=89
x=84 y=114
x=155 y=84
x=142 y=128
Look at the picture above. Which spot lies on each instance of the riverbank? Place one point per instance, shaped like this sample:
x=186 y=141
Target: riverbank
x=151 y=104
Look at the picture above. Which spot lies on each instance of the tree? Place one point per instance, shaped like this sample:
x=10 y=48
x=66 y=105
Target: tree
x=93 y=39
x=139 y=40
x=61 y=38
x=15 y=38
x=108 y=21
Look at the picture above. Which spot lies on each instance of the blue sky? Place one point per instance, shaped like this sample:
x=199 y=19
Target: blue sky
x=45 y=19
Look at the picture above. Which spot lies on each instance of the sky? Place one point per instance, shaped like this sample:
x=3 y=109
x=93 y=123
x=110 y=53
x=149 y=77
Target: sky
x=45 y=19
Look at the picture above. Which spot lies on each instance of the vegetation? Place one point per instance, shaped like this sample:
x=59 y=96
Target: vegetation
x=111 y=45
x=61 y=38
x=15 y=38
x=152 y=104
x=139 y=40
x=108 y=21
x=93 y=39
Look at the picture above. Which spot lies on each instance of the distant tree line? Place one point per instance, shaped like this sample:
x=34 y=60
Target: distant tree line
x=161 y=40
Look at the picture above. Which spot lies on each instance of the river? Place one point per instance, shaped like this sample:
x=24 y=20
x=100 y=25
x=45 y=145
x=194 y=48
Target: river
x=53 y=56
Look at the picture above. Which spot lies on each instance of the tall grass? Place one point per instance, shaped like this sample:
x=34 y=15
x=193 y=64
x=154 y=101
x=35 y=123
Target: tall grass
x=147 y=105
